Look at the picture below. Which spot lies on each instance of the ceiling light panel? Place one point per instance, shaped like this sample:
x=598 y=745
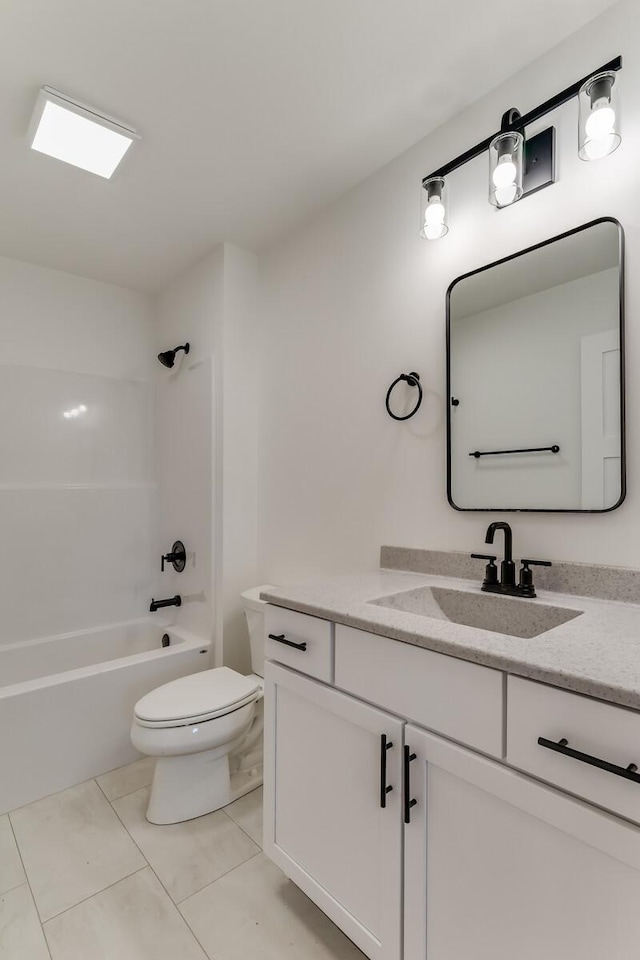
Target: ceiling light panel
x=77 y=134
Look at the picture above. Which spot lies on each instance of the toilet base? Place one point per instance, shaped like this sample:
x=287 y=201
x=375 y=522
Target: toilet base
x=191 y=786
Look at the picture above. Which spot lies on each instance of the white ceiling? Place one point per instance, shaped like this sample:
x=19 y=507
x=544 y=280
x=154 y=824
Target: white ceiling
x=253 y=113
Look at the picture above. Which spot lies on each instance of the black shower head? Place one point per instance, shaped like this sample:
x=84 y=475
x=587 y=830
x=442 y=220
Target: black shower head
x=168 y=358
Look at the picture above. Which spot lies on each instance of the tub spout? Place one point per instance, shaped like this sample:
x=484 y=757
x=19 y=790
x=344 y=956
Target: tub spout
x=171 y=602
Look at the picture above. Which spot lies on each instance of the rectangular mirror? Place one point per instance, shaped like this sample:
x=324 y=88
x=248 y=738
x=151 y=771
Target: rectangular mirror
x=535 y=375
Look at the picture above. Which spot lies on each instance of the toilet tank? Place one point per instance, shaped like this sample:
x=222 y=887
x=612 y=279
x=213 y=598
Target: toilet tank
x=254 y=609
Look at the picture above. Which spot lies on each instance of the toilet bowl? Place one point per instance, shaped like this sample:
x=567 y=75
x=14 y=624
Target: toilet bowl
x=205 y=731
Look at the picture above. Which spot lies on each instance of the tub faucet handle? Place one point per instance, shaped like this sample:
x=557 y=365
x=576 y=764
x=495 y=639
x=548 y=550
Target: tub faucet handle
x=177 y=557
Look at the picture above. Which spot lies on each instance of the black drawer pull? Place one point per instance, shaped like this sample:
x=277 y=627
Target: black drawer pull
x=562 y=746
x=289 y=643
x=384 y=787
x=408 y=802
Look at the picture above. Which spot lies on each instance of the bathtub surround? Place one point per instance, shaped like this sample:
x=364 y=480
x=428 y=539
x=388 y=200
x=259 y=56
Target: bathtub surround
x=208 y=469
x=188 y=311
x=80 y=501
x=76 y=493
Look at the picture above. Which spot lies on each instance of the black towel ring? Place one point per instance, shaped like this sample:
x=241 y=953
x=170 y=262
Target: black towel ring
x=413 y=379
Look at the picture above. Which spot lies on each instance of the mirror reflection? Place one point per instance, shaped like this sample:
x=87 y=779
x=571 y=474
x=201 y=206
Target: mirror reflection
x=535 y=372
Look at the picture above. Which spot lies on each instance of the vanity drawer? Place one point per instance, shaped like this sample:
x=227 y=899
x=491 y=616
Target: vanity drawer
x=461 y=700
x=598 y=730
x=305 y=643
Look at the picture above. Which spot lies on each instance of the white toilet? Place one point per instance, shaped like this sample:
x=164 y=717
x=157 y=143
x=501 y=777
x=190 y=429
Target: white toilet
x=206 y=732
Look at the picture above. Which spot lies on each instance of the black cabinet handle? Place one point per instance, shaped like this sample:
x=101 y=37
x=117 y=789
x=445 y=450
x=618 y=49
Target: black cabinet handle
x=384 y=787
x=408 y=802
x=289 y=643
x=562 y=746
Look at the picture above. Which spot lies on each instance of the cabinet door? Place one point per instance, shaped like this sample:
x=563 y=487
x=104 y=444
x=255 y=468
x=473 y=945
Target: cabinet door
x=325 y=824
x=498 y=866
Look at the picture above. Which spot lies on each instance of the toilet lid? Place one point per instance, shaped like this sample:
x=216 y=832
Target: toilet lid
x=211 y=692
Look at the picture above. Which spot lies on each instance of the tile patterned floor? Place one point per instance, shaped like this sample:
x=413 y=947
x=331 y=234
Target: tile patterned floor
x=84 y=876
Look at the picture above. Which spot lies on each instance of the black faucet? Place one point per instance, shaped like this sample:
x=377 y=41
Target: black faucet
x=507 y=567
x=507 y=582
x=171 y=602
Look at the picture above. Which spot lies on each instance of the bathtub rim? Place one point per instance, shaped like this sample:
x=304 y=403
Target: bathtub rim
x=188 y=642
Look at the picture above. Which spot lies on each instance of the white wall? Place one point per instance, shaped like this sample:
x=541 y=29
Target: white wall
x=76 y=495
x=355 y=298
x=207 y=445
x=516 y=371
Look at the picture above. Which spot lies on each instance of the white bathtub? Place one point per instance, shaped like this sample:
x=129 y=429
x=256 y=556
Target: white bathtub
x=66 y=702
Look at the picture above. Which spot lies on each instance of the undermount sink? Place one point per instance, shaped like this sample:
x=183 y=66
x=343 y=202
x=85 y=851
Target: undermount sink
x=507 y=615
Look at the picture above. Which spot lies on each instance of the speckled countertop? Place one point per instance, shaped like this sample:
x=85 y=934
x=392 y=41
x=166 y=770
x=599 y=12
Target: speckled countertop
x=596 y=653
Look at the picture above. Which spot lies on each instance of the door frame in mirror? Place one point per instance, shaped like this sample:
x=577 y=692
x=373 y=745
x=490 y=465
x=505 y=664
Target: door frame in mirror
x=450 y=399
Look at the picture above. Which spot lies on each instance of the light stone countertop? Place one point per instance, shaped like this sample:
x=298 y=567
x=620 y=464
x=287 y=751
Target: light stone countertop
x=596 y=653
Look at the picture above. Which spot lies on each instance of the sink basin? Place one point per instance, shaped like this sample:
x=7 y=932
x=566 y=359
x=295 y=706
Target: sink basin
x=507 y=615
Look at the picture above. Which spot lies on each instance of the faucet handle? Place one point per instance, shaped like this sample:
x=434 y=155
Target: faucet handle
x=490 y=571
x=525 y=582
x=177 y=557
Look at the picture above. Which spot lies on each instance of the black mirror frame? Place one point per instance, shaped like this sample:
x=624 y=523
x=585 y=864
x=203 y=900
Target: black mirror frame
x=623 y=444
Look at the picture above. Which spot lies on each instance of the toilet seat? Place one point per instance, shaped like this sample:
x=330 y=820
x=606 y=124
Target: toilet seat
x=196 y=698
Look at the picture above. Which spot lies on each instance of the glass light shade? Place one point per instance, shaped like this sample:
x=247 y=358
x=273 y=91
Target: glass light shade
x=506 y=154
x=434 y=212
x=599 y=118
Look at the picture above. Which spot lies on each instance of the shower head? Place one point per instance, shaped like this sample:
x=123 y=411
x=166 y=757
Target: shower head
x=168 y=358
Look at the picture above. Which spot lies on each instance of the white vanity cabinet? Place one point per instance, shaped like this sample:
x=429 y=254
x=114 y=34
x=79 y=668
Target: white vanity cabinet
x=501 y=867
x=470 y=855
x=328 y=759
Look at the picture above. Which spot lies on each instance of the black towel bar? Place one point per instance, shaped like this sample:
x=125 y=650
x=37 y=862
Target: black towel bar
x=498 y=453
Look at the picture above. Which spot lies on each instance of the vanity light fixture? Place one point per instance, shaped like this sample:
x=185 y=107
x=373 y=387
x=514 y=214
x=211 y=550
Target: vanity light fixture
x=519 y=166
x=76 y=133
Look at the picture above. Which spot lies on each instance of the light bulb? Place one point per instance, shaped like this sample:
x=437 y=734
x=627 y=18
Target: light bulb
x=601 y=121
x=66 y=414
x=505 y=172
x=434 y=214
x=82 y=408
x=506 y=195
x=433 y=231
x=596 y=149
x=433 y=207
x=74 y=412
